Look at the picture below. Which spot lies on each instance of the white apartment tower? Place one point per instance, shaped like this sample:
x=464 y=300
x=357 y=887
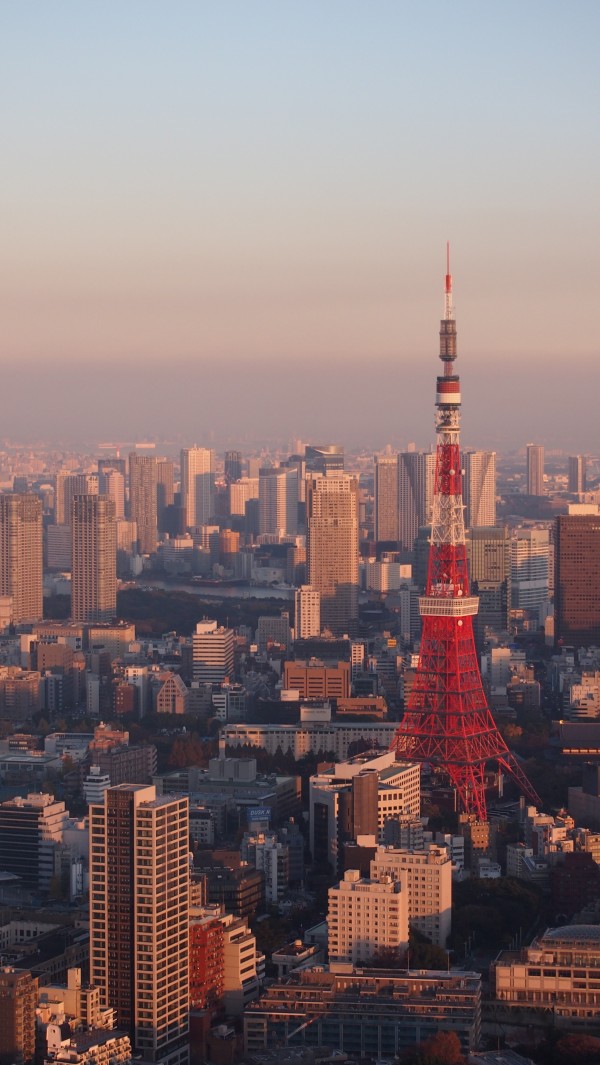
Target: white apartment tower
x=365 y=917
x=197 y=485
x=307 y=605
x=139 y=916
x=278 y=501
x=479 y=488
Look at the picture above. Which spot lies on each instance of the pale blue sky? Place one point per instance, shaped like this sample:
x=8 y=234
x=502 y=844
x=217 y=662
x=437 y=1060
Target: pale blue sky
x=275 y=181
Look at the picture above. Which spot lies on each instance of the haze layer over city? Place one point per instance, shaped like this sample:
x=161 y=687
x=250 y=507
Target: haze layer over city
x=225 y=222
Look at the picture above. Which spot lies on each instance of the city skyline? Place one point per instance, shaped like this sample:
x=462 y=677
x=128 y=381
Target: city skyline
x=237 y=194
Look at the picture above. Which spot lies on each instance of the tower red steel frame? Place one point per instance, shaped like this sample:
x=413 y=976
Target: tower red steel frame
x=448 y=722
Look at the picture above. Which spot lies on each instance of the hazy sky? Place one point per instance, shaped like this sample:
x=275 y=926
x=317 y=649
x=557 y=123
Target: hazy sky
x=229 y=218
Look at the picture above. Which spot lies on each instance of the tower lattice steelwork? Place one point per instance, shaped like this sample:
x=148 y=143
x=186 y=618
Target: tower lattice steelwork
x=448 y=722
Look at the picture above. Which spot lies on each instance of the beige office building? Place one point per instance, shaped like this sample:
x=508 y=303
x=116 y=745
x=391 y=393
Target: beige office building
x=332 y=548
x=139 y=915
x=366 y=917
x=197 y=485
x=479 y=488
x=94 y=549
x=21 y=555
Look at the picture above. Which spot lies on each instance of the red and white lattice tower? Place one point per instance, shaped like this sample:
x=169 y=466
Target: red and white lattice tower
x=448 y=722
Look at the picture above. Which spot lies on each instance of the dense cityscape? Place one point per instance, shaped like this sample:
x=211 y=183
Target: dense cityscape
x=300 y=753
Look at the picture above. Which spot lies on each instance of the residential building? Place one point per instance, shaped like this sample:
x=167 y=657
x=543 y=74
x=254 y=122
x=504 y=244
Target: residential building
x=332 y=548
x=139 y=914
x=243 y=966
x=21 y=555
x=240 y=493
x=426 y=876
x=165 y=493
x=94 y=551
x=266 y=852
x=143 y=500
x=307 y=612
x=365 y=917
x=535 y=470
x=386 y=499
x=18 y=1000
x=207 y=957
x=577 y=596
x=212 y=652
x=112 y=484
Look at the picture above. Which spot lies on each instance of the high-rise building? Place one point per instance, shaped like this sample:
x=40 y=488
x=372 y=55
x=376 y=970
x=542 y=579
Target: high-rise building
x=139 y=916
x=577 y=474
x=278 y=501
x=426 y=877
x=332 y=548
x=197 y=485
x=535 y=470
x=31 y=829
x=18 y=1002
x=21 y=555
x=489 y=559
x=530 y=553
x=479 y=488
x=94 y=551
x=143 y=504
x=366 y=916
x=307 y=605
x=577 y=591
x=69 y=485
x=240 y=492
x=415 y=494
x=112 y=484
x=233 y=466
x=386 y=498
x=324 y=458
x=165 y=493
x=212 y=652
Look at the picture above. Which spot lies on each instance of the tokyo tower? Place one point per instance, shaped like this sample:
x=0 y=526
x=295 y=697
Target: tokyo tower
x=448 y=722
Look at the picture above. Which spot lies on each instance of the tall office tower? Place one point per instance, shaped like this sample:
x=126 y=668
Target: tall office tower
x=535 y=470
x=212 y=652
x=18 y=1003
x=307 y=605
x=143 y=502
x=416 y=471
x=21 y=555
x=530 y=555
x=118 y=464
x=197 y=485
x=67 y=486
x=94 y=553
x=479 y=488
x=489 y=561
x=332 y=548
x=240 y=492
x=139 y=913
x=577 y=594
x=278 y=501
x=448 y=722
x=233 y=466
x=165 y=492
x=577 y=474
x=112 y=484
x=386 y=498
x=324 y=458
